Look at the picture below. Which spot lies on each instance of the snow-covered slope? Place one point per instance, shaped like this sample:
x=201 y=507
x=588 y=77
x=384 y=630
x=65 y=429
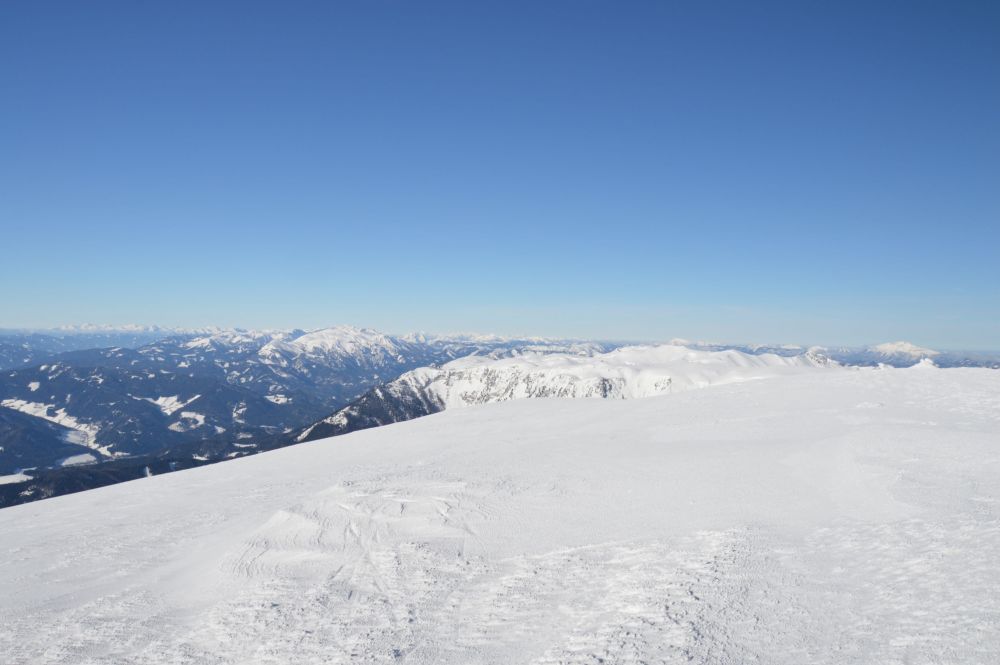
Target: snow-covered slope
x=822 y=517
x=625 y=373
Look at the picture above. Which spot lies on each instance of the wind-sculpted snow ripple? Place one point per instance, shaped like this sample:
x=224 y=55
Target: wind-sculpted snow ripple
x=394 y=571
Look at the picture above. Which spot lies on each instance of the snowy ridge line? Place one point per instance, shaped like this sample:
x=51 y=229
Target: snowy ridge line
x=625 y=373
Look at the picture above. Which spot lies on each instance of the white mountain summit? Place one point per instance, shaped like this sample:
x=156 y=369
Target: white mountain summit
x=904 y=349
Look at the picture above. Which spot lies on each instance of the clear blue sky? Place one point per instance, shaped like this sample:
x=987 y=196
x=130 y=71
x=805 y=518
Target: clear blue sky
x=819 y=172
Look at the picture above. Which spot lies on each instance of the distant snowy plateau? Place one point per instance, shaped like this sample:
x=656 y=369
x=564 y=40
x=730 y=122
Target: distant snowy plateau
x=718 y=506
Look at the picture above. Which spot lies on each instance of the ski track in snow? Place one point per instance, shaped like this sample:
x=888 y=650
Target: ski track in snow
x=887 y=553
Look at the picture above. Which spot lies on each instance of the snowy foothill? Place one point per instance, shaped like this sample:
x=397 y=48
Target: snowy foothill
x=842 y=516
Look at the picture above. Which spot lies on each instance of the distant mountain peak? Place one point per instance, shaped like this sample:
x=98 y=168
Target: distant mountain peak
x=904 y=349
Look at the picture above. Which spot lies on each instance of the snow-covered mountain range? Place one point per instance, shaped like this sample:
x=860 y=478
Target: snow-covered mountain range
x=74 y=418
x=23 y=348
x=819 y=515
x=194 y=398
x=893 y=354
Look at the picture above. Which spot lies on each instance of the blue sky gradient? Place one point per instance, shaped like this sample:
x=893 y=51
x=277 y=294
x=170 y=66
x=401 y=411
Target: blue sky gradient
x=812 y=172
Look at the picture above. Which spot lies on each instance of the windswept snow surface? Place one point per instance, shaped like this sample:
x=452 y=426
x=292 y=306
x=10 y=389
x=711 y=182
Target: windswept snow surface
x=850 y=516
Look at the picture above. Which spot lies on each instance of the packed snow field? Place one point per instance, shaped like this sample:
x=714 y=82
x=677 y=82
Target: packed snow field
x=823 y=515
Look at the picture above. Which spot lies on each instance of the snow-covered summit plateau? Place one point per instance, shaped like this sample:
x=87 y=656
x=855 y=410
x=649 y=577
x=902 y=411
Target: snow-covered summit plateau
x=843 y=516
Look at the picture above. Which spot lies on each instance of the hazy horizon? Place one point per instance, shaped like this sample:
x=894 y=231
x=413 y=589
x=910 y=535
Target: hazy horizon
x=91 y=327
